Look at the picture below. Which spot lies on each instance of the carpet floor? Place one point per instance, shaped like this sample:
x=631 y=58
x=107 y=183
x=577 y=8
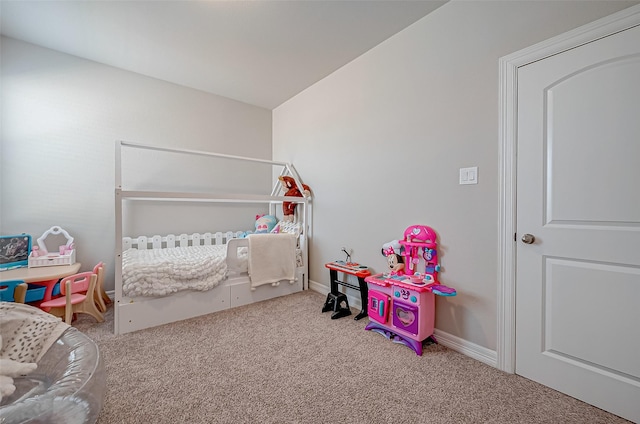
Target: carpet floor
x=283 y=361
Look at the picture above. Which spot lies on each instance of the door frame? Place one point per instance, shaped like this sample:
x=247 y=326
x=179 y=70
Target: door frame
x=508 y=117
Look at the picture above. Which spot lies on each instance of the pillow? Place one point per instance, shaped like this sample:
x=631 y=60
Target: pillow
x=265 y=223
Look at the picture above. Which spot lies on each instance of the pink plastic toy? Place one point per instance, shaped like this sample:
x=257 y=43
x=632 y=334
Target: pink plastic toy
x=417 y=238
x=36 y=252
x=393 y=251
x=66 y=249
x=402 y=306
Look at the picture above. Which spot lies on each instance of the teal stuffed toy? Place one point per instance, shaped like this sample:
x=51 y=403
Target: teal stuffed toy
x=265 y=223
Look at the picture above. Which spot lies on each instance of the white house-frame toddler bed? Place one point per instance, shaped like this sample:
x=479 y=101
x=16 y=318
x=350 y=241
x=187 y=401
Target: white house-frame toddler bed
x=165 y=278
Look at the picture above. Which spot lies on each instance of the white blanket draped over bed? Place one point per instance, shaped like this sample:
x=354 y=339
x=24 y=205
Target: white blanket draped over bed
x=158 y=272
x=272 y=258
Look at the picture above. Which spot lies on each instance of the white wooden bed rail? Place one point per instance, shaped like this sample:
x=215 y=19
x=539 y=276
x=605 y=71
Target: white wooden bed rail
x=234 y=264
x=182 y=240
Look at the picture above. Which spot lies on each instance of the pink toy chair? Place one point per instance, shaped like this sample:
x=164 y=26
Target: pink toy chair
x=13 y=291
x=101 y=297
x=78 y=296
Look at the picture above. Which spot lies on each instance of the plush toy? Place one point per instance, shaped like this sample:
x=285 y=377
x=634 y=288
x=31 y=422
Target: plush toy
x=265 y=223
x=393 y=251
x=290 y=188
x=10 y=369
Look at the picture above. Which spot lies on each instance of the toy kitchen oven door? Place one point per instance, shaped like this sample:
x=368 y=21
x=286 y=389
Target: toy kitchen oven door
x=379 y=306
x=413 y=312
x=400 y=310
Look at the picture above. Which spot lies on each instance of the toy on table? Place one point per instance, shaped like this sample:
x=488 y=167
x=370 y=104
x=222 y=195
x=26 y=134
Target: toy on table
x=401 y=307
x=14 y=251
x=66 y=249
x=291 y=189
x=65 y=254
x=36 y=252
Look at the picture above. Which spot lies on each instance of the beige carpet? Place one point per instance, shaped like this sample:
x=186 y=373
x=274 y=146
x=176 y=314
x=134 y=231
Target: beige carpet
x=283 y=361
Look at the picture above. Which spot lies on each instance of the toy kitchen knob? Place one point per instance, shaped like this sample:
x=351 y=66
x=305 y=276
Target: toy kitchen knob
x=528 y=238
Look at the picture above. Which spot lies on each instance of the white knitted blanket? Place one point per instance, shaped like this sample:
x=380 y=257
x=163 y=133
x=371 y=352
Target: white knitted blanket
x=158 y=272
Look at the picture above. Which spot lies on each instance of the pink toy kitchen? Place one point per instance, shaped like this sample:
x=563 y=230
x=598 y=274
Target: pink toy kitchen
x=401 y=302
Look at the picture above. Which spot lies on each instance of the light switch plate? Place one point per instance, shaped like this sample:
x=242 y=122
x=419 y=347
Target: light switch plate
x=469 y=175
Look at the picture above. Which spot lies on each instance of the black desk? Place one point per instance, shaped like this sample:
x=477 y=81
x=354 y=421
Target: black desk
x=335 y=298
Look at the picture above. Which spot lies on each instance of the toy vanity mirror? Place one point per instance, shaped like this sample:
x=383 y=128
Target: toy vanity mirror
x=64 y=254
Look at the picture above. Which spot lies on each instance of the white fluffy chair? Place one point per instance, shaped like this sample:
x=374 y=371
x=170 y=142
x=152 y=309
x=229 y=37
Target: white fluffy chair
x=69 y=383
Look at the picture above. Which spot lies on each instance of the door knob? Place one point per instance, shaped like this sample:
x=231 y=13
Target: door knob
x=528 y=238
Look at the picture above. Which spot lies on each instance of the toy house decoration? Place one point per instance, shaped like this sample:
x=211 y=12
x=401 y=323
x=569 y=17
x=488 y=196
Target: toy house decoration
x=401 y=305
x=63 y=255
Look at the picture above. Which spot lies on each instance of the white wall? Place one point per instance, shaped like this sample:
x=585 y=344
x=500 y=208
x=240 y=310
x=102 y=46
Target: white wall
x=381 y=142
x=60 y=118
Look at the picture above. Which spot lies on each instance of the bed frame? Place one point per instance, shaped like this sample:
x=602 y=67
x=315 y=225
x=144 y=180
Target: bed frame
x=132 y=314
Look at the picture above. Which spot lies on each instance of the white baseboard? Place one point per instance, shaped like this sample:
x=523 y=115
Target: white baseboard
x=354 y=302
x=472 y=350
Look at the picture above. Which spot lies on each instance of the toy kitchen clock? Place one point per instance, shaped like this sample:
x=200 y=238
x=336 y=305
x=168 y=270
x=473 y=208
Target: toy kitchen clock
x=401 y=303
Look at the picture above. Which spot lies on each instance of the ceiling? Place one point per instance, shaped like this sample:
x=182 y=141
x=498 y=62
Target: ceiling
x=259 y=52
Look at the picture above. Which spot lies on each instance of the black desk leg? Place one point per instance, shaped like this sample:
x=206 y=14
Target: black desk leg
x=332 y=302
x=333 y=274
x=335 y=299
x=364 y=298
x=329 y=304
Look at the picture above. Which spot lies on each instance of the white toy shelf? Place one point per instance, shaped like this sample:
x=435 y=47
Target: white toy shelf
x=65 y=254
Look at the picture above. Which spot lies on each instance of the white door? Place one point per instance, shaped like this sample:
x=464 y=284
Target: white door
x=578 y=194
